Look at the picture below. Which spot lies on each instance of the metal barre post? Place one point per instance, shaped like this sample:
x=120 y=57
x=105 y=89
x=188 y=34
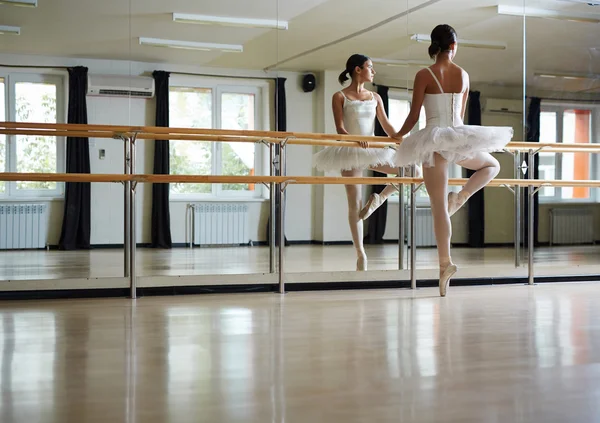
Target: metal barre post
x=401 y=221
x=126 y=209
x=413 y=232
x=517 y=196
x=272 y=208
x=530 y=217
x=132 y=228
x=281 y=215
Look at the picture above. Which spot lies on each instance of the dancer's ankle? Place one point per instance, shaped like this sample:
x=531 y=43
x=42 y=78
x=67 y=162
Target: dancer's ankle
x=445 y=262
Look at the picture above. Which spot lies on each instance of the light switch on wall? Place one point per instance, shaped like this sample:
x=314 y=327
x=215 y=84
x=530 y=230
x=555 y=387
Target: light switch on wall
x=101 y=154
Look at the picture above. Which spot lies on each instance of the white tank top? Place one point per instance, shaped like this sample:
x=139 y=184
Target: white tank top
x=359 y=116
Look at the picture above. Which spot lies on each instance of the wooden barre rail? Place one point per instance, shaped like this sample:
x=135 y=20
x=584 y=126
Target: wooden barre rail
x=293 y=138
x=299 y=180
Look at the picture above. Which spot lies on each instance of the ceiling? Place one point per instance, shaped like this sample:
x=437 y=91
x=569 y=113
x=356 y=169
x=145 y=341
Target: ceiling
x=109 y=29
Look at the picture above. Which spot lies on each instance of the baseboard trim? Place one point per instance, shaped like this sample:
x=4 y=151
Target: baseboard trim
x=61 y=294
x=325 y=243
x=291 y=287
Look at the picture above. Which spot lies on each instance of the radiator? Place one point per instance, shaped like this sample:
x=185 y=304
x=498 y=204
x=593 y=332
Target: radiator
x=23 y=226
x=220 y=224
x=425 y=235
x=571 y=226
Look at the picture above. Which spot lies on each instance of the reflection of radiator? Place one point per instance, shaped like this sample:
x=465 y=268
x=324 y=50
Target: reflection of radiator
x=425 y=235
x=23 y=226
x=220 y=224
x=571 y=226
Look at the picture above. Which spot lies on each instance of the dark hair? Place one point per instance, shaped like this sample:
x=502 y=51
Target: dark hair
x=442 y=37
x=352 y=62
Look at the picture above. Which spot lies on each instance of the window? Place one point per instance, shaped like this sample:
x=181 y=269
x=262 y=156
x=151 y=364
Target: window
x=399 y=110
x=39 y=99
x=220 y=107
x=565 y=124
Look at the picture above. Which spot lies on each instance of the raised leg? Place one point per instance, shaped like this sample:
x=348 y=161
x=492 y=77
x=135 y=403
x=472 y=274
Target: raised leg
x=486 y=168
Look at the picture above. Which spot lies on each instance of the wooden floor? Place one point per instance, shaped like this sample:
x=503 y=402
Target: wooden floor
x=482 y=354
x=101 y=263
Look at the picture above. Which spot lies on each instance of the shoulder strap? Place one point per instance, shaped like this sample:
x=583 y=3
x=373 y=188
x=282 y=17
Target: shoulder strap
x=343 y=95
x=436 y=80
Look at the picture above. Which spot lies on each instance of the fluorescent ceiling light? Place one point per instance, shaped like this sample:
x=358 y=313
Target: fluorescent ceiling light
x=222 y=20
x=402 y=63
x=191 y=45
x=9 y=30
x=24 y=3
x=565 y=75
x=424 y=38
x=548 y=14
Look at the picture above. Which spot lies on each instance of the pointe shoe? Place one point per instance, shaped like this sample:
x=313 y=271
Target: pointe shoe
x=454 y=203
x=445 y=277
x=361 y=263
x=374 y=202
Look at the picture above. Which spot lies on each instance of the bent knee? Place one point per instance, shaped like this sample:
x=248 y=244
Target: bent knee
x=495 y=164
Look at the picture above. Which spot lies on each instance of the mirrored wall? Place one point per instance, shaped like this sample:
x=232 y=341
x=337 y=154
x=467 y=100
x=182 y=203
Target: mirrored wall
x=274 y=65
x=563 y=100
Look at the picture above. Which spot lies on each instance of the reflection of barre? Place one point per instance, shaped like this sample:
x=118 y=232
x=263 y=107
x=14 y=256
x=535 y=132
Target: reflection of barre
x=226 y=135
x=295 y=180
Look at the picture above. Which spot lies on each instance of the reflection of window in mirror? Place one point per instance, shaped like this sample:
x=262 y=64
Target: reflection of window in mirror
x=568 y=123
x=207 y=103
x=399 y=108
x=26 y=97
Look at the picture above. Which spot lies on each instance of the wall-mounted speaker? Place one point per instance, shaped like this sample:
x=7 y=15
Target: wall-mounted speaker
x=309 y=82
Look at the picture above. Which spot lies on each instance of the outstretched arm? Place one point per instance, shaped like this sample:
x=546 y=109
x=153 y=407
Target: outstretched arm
x=415 y=107
x=383 y=118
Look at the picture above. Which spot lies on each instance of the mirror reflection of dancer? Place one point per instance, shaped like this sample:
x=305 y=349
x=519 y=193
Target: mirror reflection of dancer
x=354 y=112
x=443 y=89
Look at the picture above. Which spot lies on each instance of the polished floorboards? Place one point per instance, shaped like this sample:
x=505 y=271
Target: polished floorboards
x=482 y=354
x=101 y=263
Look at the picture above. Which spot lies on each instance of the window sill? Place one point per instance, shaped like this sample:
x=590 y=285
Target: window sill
x=219 y=200
x=568 y=203
x=30 y=199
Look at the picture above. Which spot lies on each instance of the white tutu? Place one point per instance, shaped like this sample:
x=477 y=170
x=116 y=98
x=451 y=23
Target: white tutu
x=349 y=158
x=453 y=143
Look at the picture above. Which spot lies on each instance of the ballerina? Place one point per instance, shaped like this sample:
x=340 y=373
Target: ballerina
x=355 y=109
x=443 y=89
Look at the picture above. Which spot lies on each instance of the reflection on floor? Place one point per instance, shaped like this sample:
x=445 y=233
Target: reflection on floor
x=482 y=354
x=19 y=265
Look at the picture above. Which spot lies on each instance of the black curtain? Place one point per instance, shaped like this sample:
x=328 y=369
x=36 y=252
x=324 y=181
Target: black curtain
x=476 y=204
x=75 y=231
x=377 y=220
x=161 y=220
x=533 y=135
x=280 y=125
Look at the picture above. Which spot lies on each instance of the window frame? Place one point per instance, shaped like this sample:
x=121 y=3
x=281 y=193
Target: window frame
x=218 y=87
x=559 y=108
x=11 y=79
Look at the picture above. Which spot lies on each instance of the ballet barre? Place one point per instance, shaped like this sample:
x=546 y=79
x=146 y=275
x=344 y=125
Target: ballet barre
x=290 y=180
x=223 y=135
